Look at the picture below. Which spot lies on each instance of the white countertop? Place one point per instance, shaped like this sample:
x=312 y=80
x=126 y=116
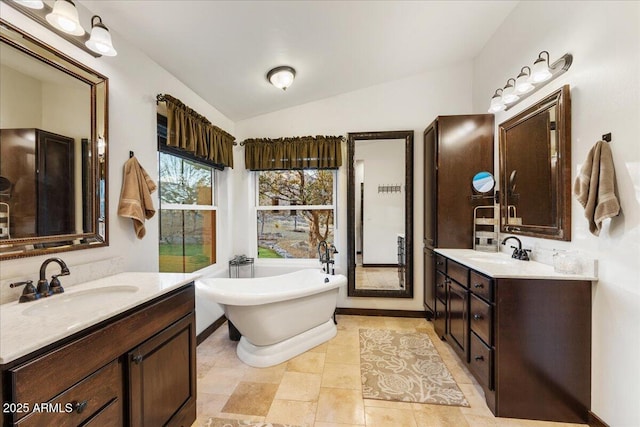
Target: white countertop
x=26 y=327
x=501 y=265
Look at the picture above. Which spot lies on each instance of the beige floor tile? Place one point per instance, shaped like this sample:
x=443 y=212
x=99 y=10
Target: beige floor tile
x=439 y=416
x=299 y=386
x=387 y=417
x=272 y=374
x=312 y=363
x=322 y=348
x=219 y=381
x=513 y=422
x=388 y=404
x=242 y=417
x=337 y=405
x=292 y=412
x=322 y=424
x=477 y=404
x=346 y=337
x=210 y=404
x=251 y=399
x=480 y=421
x=342 y=354
x=341 y=375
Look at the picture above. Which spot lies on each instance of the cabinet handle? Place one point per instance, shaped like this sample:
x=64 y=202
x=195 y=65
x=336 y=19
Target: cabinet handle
x=441 y=285
x=137 y=359
x=479 y=358
x=478 y=285
x=439 y=263
x=477 y=316
x=78 y=407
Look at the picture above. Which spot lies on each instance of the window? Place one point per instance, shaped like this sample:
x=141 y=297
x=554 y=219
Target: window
x=295 y=211
x=187 y=213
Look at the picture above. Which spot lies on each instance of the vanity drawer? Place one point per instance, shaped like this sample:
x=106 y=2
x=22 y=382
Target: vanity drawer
x=481 y=285
x=480 y=318
x=481 y=361
x=458 y=272
x=441 y=286
x=83 y=401
x=441 y=263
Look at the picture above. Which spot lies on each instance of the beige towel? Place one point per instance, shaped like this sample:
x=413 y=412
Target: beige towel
x=135 y=196
x=594 y=187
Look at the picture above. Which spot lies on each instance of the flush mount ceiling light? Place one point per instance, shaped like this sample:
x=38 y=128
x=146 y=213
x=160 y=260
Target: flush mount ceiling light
x=64 y=17
x=100 y=40
x=529 y=80
x=281 y=77
x=31 y=4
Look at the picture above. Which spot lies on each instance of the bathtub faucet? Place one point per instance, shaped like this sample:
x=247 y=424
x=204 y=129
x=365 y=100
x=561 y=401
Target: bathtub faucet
x=325 y=255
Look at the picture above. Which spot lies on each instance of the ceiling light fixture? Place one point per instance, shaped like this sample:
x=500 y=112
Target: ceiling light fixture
x=64 y=17
x=281 y=77
x=529 y=81
x=31 y=4
x=100 y=41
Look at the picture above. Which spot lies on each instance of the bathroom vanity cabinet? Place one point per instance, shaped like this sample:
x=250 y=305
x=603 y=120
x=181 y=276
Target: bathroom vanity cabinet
x=527 y=341
x=135 y=369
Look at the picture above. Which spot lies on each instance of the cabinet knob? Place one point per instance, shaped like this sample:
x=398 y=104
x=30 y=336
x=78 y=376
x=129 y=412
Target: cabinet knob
x=478 y=285
x=439 y=263
x=479 y=358
x=78 y=407
x=441 y=285
x=137 y=358
x=477 y=316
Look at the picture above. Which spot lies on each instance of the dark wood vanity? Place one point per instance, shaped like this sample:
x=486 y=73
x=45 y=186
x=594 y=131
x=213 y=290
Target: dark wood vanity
x=134 y=369
x=526 y=341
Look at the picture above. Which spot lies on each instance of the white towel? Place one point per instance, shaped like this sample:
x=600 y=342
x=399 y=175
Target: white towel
x=135 y=197
x=595 y=187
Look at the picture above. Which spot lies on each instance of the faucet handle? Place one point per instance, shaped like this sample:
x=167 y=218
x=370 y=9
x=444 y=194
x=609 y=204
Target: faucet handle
x=55 y=286
x=29 y=293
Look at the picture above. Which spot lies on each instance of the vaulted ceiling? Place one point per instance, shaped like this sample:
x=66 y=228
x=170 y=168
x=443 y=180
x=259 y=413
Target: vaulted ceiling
x=223 y=49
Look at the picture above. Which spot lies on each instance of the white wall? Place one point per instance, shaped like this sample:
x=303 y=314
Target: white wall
x=408 y=104
x=21 y=100
x=604 y=38
x=134 y=81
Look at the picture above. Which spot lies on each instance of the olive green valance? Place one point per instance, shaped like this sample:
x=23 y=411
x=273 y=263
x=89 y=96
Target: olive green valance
x=193 y=133
x=306 y=152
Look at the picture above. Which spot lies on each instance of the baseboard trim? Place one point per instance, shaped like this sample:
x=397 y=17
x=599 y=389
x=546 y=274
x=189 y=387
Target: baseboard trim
x=596 y=421
x=380 y=265
x=210 y=329
x=379 y=312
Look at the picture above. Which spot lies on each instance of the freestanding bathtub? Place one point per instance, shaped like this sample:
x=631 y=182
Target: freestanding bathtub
x=279 y=317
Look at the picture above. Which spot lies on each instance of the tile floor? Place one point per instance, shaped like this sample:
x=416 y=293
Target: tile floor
x=322 y=387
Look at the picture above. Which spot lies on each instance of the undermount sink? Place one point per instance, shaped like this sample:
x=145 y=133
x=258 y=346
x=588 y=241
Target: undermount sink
x=493 y=259
x=78 y=302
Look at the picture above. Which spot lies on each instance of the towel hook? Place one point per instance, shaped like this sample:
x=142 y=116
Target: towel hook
x=607 y=137
x=131 y=154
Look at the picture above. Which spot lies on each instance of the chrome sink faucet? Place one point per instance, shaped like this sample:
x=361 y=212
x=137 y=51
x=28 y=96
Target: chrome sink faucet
x=518 y=253
x=44 y=289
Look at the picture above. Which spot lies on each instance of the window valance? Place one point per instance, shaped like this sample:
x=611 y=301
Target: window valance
x=193 y=133
x=306 y=152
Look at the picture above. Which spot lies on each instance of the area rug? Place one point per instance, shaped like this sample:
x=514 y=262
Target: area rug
x=405 y=366
x=224 y=422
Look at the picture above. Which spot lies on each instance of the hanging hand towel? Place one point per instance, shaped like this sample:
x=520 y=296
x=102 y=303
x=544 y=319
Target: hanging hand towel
x=594 y=187
x=135 y=197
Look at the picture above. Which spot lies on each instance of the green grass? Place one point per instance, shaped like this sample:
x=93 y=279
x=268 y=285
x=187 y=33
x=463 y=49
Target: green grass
x=267 y=253
x=189 y=250
x=171 y=258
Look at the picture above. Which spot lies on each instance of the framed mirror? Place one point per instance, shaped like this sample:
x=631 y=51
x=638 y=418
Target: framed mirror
x=380 y=214
x=53 y=150
x=535 y=169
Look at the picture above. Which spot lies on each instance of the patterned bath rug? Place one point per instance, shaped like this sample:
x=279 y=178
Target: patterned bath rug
x=406 y=367
x=224 y=422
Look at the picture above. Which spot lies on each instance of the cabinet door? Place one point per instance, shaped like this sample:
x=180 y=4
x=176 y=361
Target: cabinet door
x=162 y=381
x=457 y=318
x=429 y=282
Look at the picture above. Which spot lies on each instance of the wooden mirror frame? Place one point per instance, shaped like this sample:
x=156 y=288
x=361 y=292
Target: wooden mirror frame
x=561 y=230
x=352 y=291
x=98 y=84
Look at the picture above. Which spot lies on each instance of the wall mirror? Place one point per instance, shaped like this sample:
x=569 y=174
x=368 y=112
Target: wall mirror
x=53 y=150
x=380 y=214
x=535 y=169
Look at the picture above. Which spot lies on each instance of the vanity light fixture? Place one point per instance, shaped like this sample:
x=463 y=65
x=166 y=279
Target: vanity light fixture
x=496 y=102
x=281 y=77
x=31 y=4
x=523 y=85
x=64 y=17
x=100 y=40
x=529 y=80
